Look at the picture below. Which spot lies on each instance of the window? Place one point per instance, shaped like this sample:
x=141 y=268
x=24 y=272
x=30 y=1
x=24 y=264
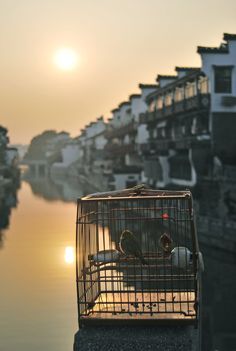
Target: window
x=168 y=99
x=191 y=89
x=203 y=85
x=159 y=102
x=179 y=94
x=152 y=106
x=223 y=79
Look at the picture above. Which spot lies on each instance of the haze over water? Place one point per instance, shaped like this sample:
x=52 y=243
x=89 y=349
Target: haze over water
x=119 y=45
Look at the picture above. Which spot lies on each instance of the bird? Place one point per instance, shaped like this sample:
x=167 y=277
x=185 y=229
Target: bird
x=129 y=246
x=166 y=243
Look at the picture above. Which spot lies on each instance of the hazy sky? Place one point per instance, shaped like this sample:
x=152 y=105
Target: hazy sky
x=121 y=43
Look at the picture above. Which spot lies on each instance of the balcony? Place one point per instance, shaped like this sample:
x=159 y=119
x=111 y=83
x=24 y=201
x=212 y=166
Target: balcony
x=117 y=149
x=168 y=110
x=121 y=131
x=179 y=143
x=155 y=145
x=194 y=103
x=179 y=106
x=147 y=117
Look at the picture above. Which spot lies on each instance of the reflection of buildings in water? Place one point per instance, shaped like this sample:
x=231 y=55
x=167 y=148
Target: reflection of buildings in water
x=1 y=238
x=8 y=201
x=71 y=189
x=56 y=189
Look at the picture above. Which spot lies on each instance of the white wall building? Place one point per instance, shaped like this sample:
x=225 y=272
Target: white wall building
x=12 y=156
x=70 y=154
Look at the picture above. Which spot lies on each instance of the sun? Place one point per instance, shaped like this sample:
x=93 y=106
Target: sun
x=66 y=59
x=69 y=255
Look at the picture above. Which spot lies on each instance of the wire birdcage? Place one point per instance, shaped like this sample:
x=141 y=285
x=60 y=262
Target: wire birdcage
x=151 y=274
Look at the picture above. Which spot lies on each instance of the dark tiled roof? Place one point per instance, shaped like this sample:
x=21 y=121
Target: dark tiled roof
x=163 y=76
x=143 y=86
x=134 y=96
x=125 y=103
x=228 y=36
x=114 y=110
x=178 y=69
x=223 y=49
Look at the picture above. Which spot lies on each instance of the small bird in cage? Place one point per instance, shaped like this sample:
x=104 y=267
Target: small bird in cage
x=129 y=246
x=166 y=243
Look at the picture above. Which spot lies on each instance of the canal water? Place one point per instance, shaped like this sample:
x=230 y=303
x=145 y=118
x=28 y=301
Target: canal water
x=38 y=308
x=37 y=274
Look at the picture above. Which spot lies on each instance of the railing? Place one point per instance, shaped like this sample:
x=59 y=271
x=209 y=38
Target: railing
x=174 y=143
x=118 y=149
x=229 y=173
x=122 y=130
x=200 y=101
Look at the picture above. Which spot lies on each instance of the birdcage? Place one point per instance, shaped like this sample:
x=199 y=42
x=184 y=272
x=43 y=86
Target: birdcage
x=138 y=259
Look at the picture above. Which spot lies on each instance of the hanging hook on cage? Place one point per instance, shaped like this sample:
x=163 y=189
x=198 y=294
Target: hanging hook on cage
x=137 y=189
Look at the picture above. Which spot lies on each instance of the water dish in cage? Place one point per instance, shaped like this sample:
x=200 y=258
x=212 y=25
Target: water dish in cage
x=106 y=256
x=181 y=257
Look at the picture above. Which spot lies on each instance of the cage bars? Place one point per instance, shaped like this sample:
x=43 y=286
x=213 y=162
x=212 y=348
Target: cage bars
x=123 y=287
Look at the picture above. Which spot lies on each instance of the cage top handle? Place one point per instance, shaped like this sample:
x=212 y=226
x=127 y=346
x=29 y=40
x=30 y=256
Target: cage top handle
x=138 y=190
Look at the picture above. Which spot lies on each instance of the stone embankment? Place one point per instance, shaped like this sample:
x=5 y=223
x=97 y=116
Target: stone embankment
x=137 y=338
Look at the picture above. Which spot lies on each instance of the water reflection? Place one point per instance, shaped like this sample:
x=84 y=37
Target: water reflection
x=37 y=296
x=55 y=190
x=8 y=201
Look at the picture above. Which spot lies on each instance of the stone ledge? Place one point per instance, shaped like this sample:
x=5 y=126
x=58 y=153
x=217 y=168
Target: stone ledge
x=137 y=338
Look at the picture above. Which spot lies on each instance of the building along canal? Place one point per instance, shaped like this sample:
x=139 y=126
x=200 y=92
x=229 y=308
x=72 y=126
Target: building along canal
x=38 y=298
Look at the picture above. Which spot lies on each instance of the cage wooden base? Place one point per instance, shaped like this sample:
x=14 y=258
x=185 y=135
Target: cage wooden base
x=158 y=306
